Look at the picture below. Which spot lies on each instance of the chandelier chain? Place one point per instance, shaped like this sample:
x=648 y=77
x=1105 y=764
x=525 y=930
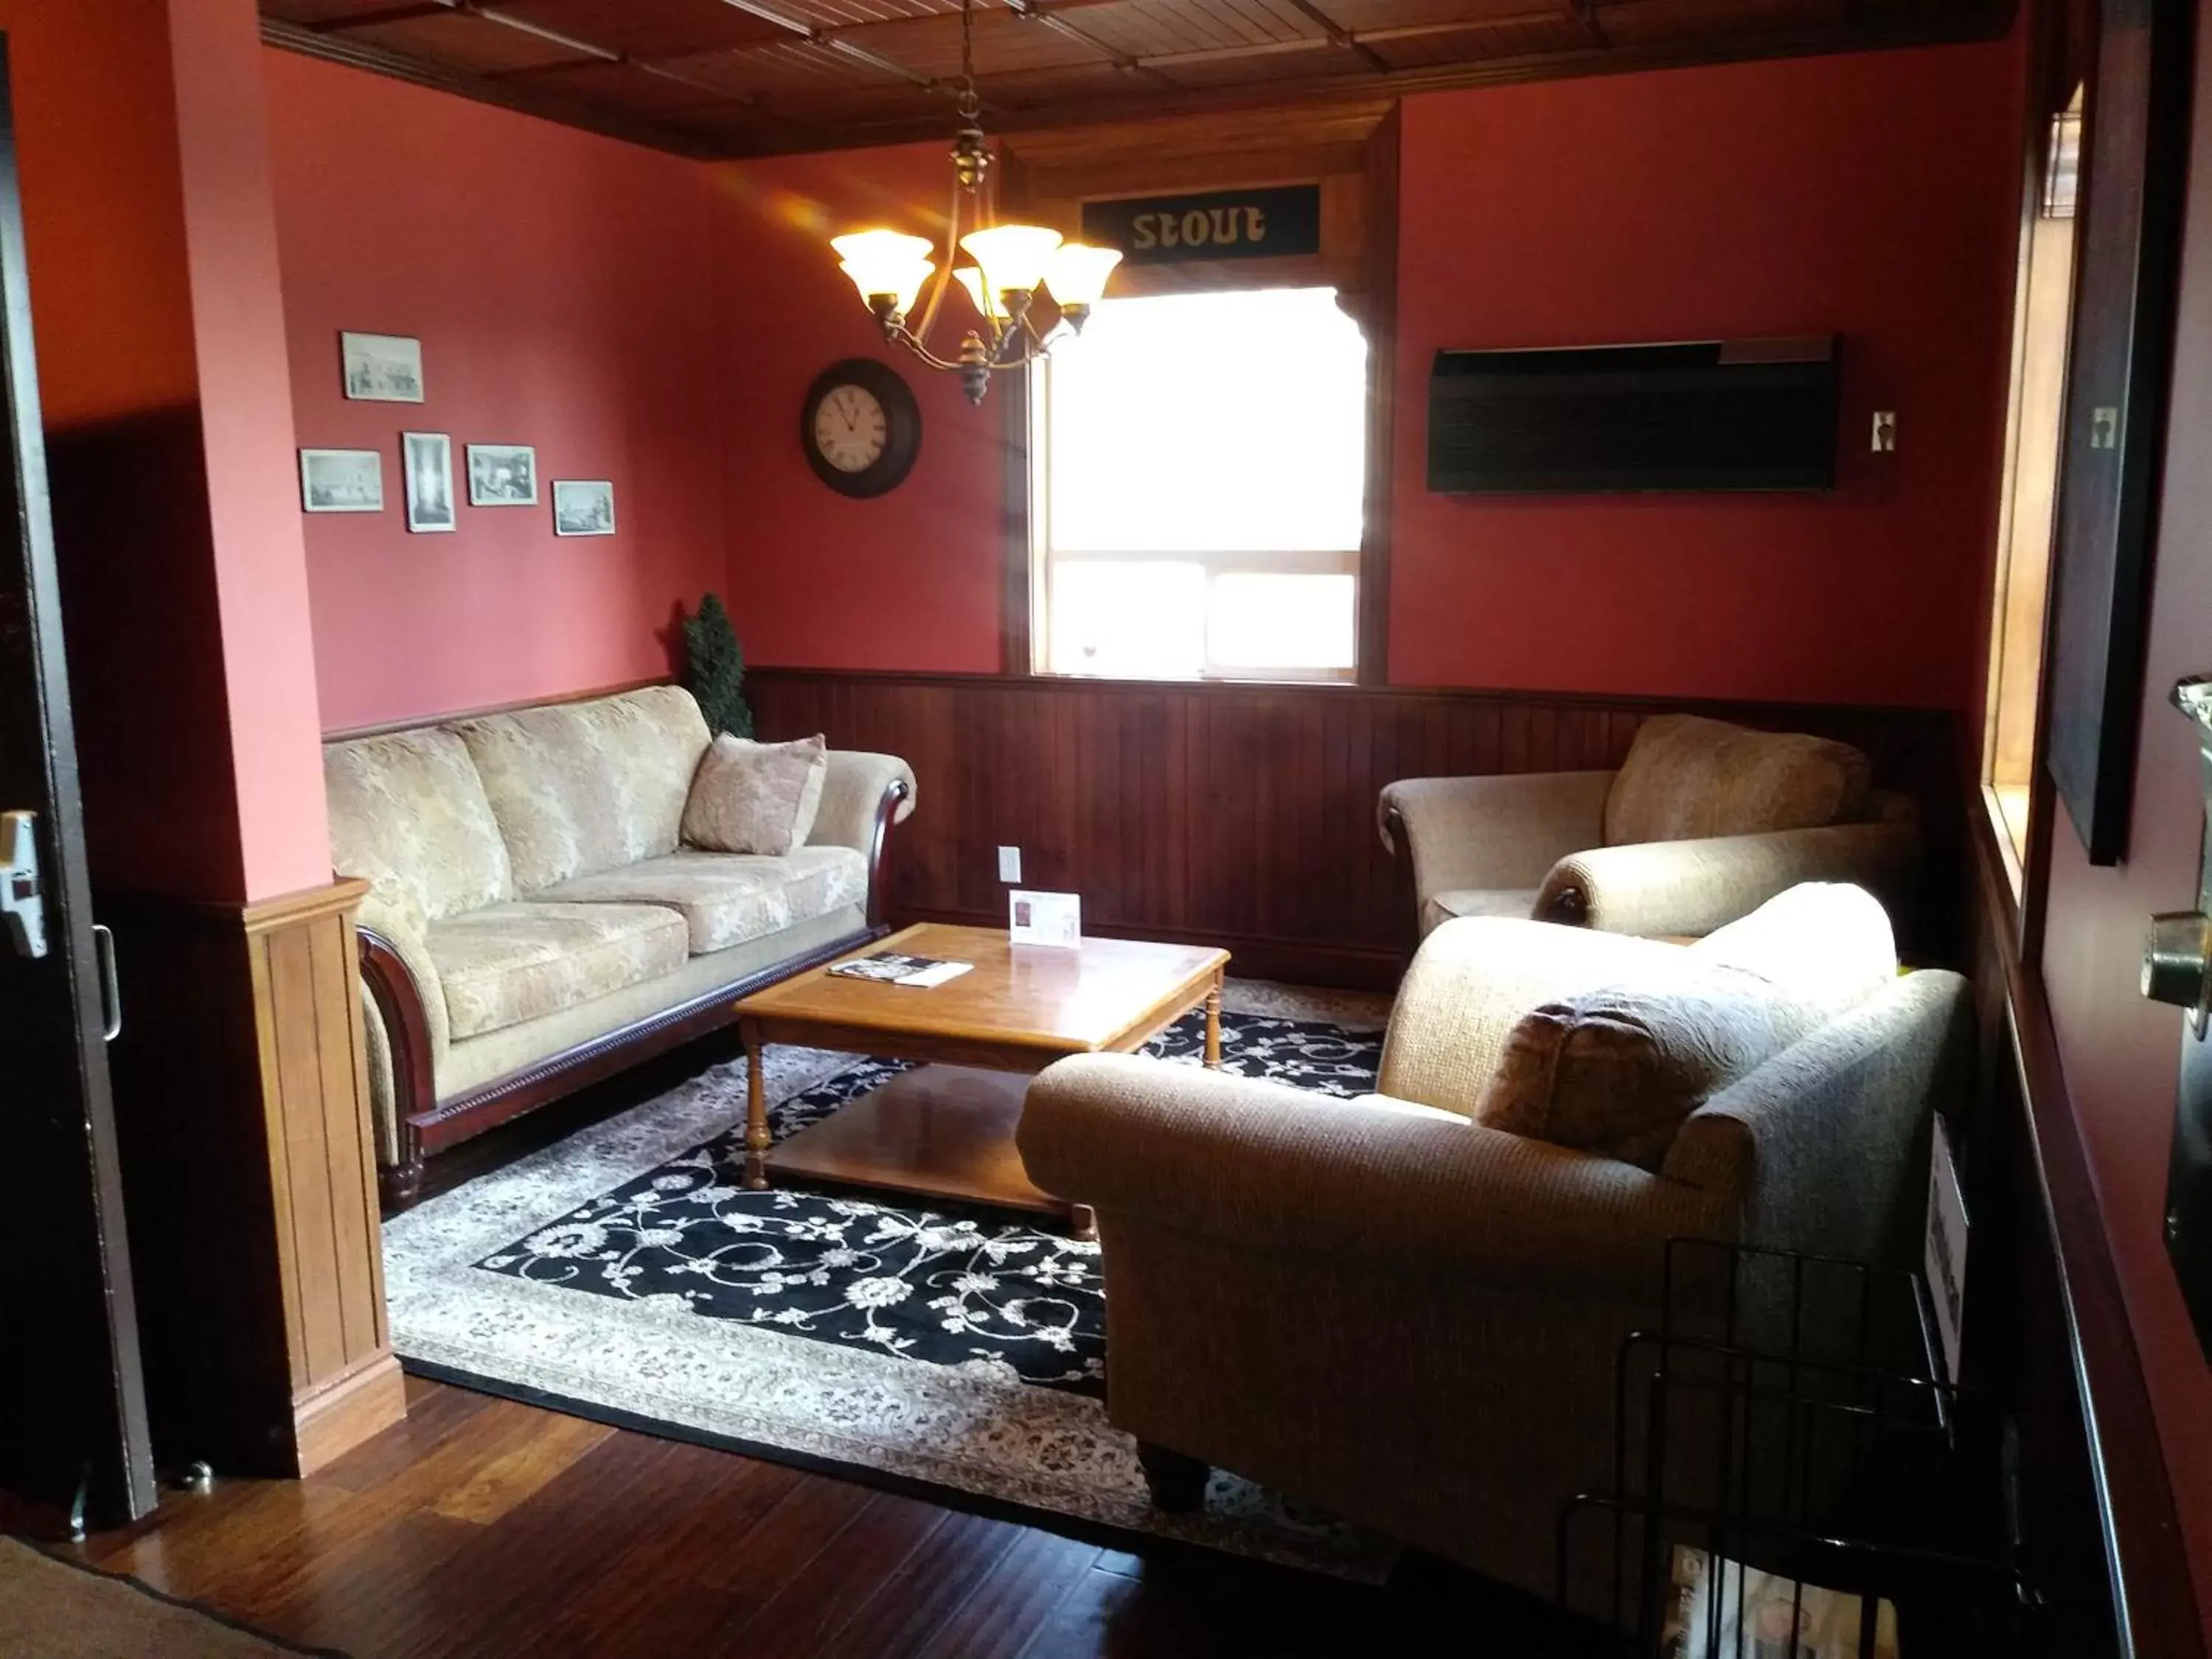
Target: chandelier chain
x=968 y=104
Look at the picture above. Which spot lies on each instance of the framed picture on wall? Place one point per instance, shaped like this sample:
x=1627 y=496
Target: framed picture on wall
x=583 y=508
x=2135 y=148
x=503 y=475
x=427 y=463
x=382 y=368
x=341 y=481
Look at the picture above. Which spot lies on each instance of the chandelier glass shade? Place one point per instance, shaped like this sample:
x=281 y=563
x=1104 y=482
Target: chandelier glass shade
x=1009 y=266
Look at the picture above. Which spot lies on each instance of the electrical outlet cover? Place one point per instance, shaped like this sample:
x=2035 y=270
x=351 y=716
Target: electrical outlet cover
x=1009 y=864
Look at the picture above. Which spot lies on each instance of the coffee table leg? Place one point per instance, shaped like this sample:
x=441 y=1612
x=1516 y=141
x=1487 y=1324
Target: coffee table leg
x=757 y=1141
x=1083 y=1223
x=1213 y=1026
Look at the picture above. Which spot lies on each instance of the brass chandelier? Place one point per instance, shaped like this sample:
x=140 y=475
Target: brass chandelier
x=1011 y=264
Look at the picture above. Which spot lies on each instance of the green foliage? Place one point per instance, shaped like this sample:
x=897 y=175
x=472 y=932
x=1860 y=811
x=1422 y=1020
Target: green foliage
x=715 y=669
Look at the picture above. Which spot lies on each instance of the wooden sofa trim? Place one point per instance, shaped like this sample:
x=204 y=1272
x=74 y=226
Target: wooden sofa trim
x=427 y=1125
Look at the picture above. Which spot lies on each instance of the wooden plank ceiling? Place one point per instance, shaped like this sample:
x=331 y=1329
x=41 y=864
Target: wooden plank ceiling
x=729 y=78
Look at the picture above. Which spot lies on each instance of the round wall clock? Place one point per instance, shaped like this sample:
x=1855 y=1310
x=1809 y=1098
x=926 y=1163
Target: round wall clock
x=861 y=426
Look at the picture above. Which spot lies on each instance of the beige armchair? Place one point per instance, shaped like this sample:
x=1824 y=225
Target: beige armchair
x=1384 y=1308
x=1703 y=823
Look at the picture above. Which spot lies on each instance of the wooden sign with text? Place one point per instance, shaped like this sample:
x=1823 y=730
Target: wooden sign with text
x=1226 y=224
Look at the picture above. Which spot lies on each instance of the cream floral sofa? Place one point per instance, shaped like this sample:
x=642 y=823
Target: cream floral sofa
x=534 y=922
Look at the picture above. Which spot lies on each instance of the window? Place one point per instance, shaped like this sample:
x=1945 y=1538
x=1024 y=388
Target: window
x=2042 y=325
x=1201 y=462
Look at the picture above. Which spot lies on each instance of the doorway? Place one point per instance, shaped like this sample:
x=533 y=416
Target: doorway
x=73 y=1426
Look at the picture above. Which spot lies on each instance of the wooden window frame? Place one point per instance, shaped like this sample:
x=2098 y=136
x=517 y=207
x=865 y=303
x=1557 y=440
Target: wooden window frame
x=1352 y=151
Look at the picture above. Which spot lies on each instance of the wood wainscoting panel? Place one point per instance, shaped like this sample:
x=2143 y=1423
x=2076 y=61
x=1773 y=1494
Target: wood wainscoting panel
x=1244 y=815
x=250 y=1181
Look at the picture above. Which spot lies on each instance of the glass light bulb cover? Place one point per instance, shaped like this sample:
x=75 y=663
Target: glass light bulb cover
x=904 y=282
x=1077 y=273
x=972 y=279
x=880 y=261
x=1012 y=256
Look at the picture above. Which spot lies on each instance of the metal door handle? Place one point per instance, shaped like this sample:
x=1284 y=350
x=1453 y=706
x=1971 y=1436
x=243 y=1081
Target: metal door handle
x=2176 y=966
x=111 y=989
x=23 y=900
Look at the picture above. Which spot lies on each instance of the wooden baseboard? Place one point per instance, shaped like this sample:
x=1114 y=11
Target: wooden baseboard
x=329 y=1422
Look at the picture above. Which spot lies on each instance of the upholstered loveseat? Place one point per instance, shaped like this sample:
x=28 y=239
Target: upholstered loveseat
x=1703 y=823
x=534 y=921
x=1391 y=1309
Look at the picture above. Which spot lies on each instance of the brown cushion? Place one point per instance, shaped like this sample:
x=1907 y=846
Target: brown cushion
x=1687 y=777
x=749 y=797
x=1616 y=1070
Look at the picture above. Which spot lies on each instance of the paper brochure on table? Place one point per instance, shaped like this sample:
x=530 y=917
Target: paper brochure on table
x=896 y=968
x=1045 y=919
x=1741 y=1612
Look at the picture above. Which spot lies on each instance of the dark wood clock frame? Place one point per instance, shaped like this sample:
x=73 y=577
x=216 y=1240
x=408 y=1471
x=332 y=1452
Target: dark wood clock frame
x=901 y=422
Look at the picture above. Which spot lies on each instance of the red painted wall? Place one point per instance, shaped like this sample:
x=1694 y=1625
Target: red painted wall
x=1871 y=195
x=1874 y=196
x=2120 y=1053
x=912 y=579
x=245 y=417
x=564 y=290
x=152 y=279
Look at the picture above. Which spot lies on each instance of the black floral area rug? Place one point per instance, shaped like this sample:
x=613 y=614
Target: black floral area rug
x=949 y=1287
x=626 y=1273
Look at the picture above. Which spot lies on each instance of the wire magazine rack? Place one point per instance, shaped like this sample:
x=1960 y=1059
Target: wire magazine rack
x=1794 y=1476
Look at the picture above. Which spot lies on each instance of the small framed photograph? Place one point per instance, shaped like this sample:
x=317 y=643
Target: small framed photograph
x=1054 y=918
x=583 y=506
x=427 y=463
x=382 y=368
x=341 y=481
x=503 y=475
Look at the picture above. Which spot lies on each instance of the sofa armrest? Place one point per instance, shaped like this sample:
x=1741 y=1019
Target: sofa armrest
x=1501 y=832
x=1259 y=1165
x=862 y=797
x=1693 y=887
x=412 y=1041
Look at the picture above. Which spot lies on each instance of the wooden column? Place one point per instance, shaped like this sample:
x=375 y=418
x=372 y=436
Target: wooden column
x=250 y=1184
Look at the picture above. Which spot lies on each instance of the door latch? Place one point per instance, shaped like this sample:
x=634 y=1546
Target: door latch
x=23 y=900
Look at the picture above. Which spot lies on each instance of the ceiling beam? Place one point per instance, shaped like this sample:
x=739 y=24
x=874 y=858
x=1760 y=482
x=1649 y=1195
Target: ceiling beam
x=833 y=39
x=1030 y=10
x=1584 y=14
x=417 y=71
x=775 y=125
x=397 y=13
x=1339 y=36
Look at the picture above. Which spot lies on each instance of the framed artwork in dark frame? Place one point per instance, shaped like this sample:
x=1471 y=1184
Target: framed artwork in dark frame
x=2135 y=157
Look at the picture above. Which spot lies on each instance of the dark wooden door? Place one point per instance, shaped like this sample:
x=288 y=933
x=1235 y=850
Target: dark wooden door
x=72 y=1406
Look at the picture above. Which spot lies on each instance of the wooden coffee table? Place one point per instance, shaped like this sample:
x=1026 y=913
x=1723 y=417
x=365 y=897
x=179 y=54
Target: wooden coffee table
x=947 y=1129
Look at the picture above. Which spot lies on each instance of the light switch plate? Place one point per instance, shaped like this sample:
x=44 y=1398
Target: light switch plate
x=1009 y=864
x=1884 y=431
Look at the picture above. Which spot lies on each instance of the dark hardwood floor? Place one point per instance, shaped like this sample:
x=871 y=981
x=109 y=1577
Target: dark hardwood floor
x=482 y=1527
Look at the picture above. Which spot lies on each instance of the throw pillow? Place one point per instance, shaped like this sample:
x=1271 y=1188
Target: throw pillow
x=749 y=797
x=1826 y=943
x=1687 y=777
x=1617 y=1069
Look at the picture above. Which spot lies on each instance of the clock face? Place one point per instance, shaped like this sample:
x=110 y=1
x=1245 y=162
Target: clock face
x=850 y=429
x=860 y=427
